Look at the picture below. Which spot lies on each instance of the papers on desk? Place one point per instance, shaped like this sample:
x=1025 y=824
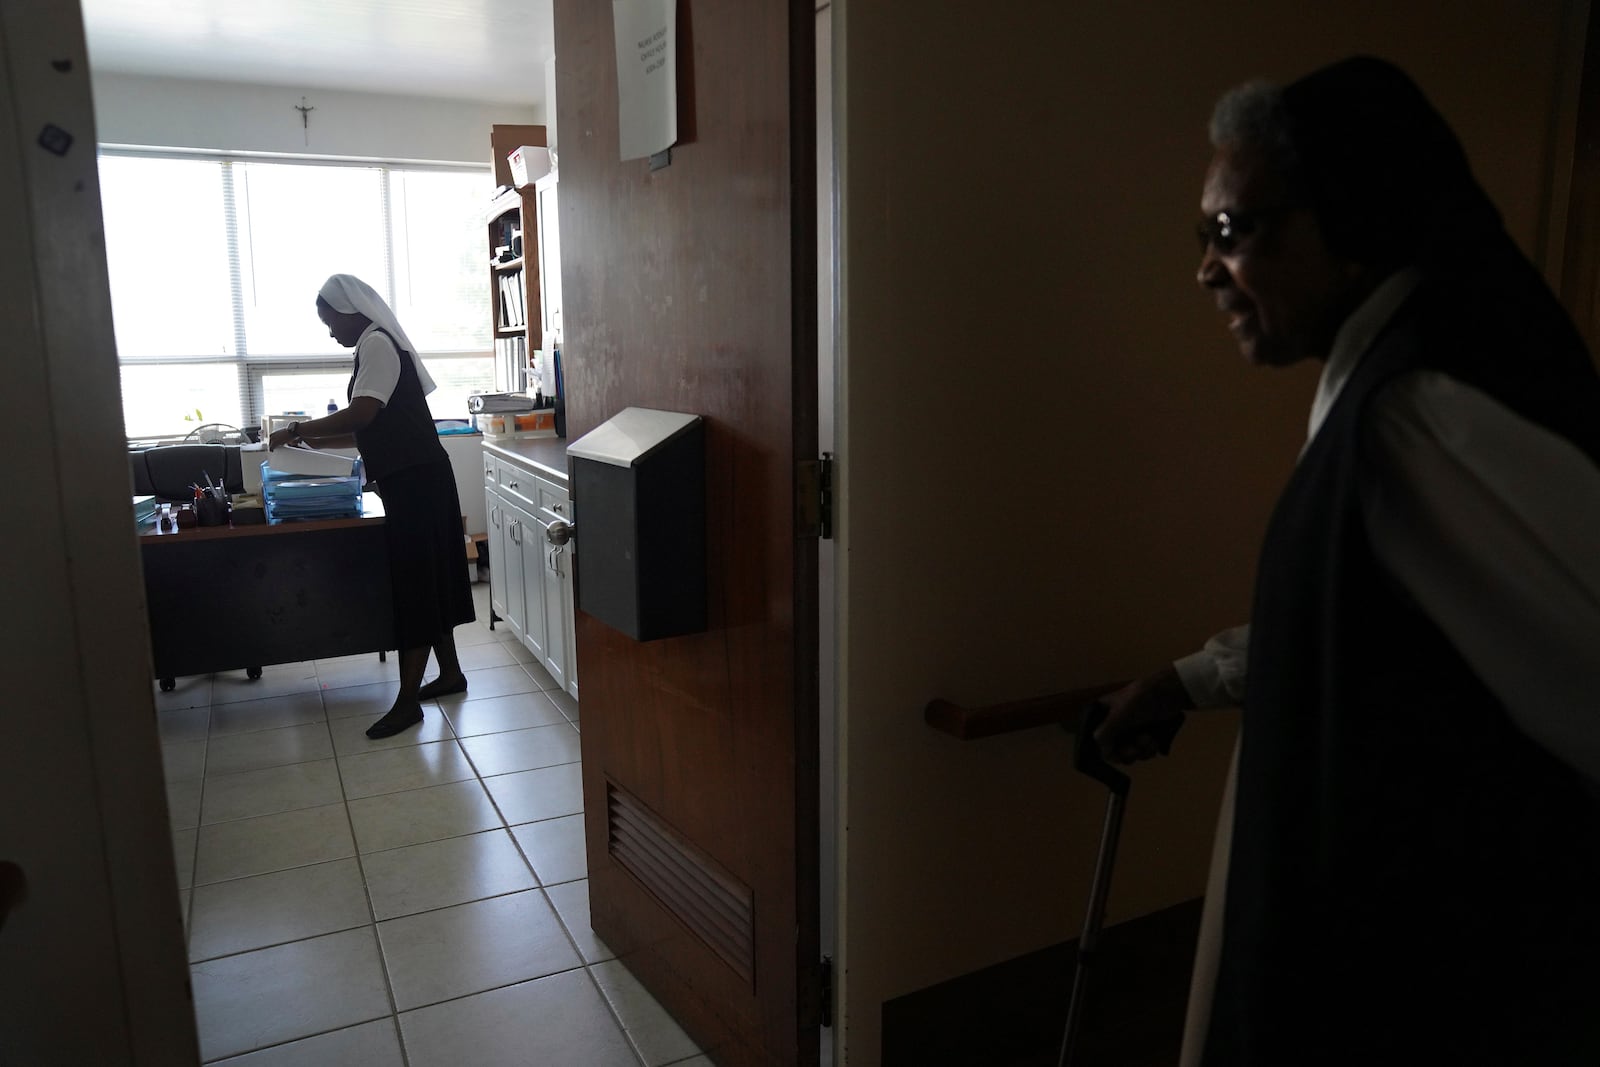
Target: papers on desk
x=296 y=459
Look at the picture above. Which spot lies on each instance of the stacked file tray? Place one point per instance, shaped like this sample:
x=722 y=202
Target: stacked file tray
x=306 y=496
x=144 y=509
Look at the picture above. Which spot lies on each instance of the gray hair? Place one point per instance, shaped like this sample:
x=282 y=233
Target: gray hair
x=1254 y=115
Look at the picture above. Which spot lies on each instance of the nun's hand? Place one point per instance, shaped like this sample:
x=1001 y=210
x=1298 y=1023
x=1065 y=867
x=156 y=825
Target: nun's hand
x=284 y=436
x=1143 y=716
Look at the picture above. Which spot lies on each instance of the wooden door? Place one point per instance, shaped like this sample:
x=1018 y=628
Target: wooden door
x=693 y=288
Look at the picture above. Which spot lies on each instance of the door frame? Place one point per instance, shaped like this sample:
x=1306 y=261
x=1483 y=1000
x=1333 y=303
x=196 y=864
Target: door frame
x=100 y=921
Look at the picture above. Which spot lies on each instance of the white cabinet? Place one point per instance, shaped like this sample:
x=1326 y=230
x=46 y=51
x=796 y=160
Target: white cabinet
x=530 y=580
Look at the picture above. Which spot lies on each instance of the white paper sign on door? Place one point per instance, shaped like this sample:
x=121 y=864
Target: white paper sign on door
x=647 y=75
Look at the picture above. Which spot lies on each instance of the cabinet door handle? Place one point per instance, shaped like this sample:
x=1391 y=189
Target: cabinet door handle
x=560 y=509
x=494 y=516
x=512 y=485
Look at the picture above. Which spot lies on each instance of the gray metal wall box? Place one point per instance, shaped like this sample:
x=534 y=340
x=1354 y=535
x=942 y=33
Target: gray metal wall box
x=639 y=490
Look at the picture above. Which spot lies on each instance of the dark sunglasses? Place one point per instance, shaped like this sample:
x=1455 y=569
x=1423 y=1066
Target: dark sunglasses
x=1225 y=230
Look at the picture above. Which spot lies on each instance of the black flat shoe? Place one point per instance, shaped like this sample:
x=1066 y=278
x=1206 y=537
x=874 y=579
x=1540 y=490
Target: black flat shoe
x=442 y=687
x=397 y=720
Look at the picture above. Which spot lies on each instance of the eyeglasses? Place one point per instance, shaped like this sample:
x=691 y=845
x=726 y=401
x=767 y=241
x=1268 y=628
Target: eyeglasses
x=1225 y=230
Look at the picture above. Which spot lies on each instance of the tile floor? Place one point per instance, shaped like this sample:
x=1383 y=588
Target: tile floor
x=420 y=901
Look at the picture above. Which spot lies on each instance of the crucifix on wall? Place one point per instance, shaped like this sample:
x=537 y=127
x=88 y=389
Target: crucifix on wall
x=305 y=117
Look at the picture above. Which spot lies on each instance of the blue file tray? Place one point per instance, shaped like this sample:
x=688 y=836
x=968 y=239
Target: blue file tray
x=298 y=496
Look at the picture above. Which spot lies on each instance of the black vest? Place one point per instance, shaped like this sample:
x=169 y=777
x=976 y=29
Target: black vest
x=403 y=434
x=1412 y=881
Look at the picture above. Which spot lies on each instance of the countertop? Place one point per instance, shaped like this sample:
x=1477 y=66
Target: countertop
x=546 y=455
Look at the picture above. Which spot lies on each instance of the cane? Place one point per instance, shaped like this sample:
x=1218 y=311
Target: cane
x=1086 y=758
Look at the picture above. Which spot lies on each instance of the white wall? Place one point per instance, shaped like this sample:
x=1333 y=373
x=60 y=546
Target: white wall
x=225 y=116
x=1056 y=466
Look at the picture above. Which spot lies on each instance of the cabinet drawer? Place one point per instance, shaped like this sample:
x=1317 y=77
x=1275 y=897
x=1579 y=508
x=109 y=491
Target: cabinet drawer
x=551 y=500
x=516 y=482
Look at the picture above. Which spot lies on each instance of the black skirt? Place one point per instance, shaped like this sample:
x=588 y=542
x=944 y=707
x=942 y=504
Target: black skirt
x=427 y=554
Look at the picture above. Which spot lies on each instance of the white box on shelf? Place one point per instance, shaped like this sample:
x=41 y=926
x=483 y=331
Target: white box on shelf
x=529 y=163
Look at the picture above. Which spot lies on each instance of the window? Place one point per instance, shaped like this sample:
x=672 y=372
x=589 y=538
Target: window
x=215 y=263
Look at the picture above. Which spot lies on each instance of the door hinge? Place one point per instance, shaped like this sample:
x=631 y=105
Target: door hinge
x=814 y=497
x=825 y=997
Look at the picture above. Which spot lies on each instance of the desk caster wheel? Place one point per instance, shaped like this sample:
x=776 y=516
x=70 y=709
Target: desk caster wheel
x=253 y=673
x=168 y=684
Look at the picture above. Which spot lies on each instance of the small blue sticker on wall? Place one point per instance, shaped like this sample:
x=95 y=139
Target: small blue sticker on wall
x=54 y=139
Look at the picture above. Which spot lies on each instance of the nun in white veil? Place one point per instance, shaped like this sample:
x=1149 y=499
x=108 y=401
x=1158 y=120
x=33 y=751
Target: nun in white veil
x=388 y=421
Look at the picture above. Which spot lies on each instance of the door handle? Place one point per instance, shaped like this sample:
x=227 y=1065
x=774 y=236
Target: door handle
x=559 y=532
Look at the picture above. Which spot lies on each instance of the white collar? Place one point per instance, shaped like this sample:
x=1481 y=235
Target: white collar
x=1355 y=336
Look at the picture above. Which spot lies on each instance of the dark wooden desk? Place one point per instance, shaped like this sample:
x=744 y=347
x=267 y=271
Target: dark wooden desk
x=224 y=597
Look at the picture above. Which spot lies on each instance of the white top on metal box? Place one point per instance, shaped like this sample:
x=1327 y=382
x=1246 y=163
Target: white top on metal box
x=629 y=435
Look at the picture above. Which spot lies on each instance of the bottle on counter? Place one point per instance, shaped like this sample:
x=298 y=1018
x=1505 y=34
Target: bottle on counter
x=333 y=405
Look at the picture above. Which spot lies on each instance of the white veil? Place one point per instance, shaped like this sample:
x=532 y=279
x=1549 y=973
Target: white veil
x=347 y=294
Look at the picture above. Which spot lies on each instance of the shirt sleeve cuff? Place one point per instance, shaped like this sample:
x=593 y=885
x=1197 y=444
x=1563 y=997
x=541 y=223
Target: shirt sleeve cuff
x=1202 y=678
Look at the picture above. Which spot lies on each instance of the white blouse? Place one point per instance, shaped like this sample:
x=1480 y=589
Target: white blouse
x=1491 y=522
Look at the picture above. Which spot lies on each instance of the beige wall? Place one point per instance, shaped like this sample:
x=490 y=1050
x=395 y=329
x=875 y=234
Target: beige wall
x=133 y=109
x=1056 y=467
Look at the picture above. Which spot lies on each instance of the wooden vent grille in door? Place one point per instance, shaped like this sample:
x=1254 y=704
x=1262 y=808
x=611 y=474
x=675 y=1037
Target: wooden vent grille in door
x=715 y=906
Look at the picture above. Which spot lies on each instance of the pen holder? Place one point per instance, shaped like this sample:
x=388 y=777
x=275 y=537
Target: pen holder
x=211 y=511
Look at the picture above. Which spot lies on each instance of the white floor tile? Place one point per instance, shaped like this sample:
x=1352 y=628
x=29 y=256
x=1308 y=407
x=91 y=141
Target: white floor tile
x=271 y=713
x=350 y=733
x=395 y=770
x=394 y=820
x=272 y=843
x=470 y=948
x=478 y=657
x=270 y=790
x=183 y=842
x=374 y=1044
x=363 y=671
x=185 y=724
x=183 y=761
x=439 y=874
x=571 y=901
x=562 y=1017
x=566 y=702
x=183 y=804
x=493 y=682
x=522 y=750
x=271 y=909
x=657 y=1037
x=272 y=995
x=547 y=793
x=475 y=633
x=555 y=848
x=368 y=701
x=268 y=748
x=518 y=711
x=540 y=676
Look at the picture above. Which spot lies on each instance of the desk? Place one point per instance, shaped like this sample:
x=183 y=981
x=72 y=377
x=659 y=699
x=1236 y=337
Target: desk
x=223 y=597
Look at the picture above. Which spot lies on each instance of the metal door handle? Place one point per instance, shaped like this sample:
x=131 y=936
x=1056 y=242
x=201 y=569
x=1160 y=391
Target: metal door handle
x=559 y=532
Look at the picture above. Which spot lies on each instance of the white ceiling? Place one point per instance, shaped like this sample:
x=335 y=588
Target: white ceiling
x=459 y=49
